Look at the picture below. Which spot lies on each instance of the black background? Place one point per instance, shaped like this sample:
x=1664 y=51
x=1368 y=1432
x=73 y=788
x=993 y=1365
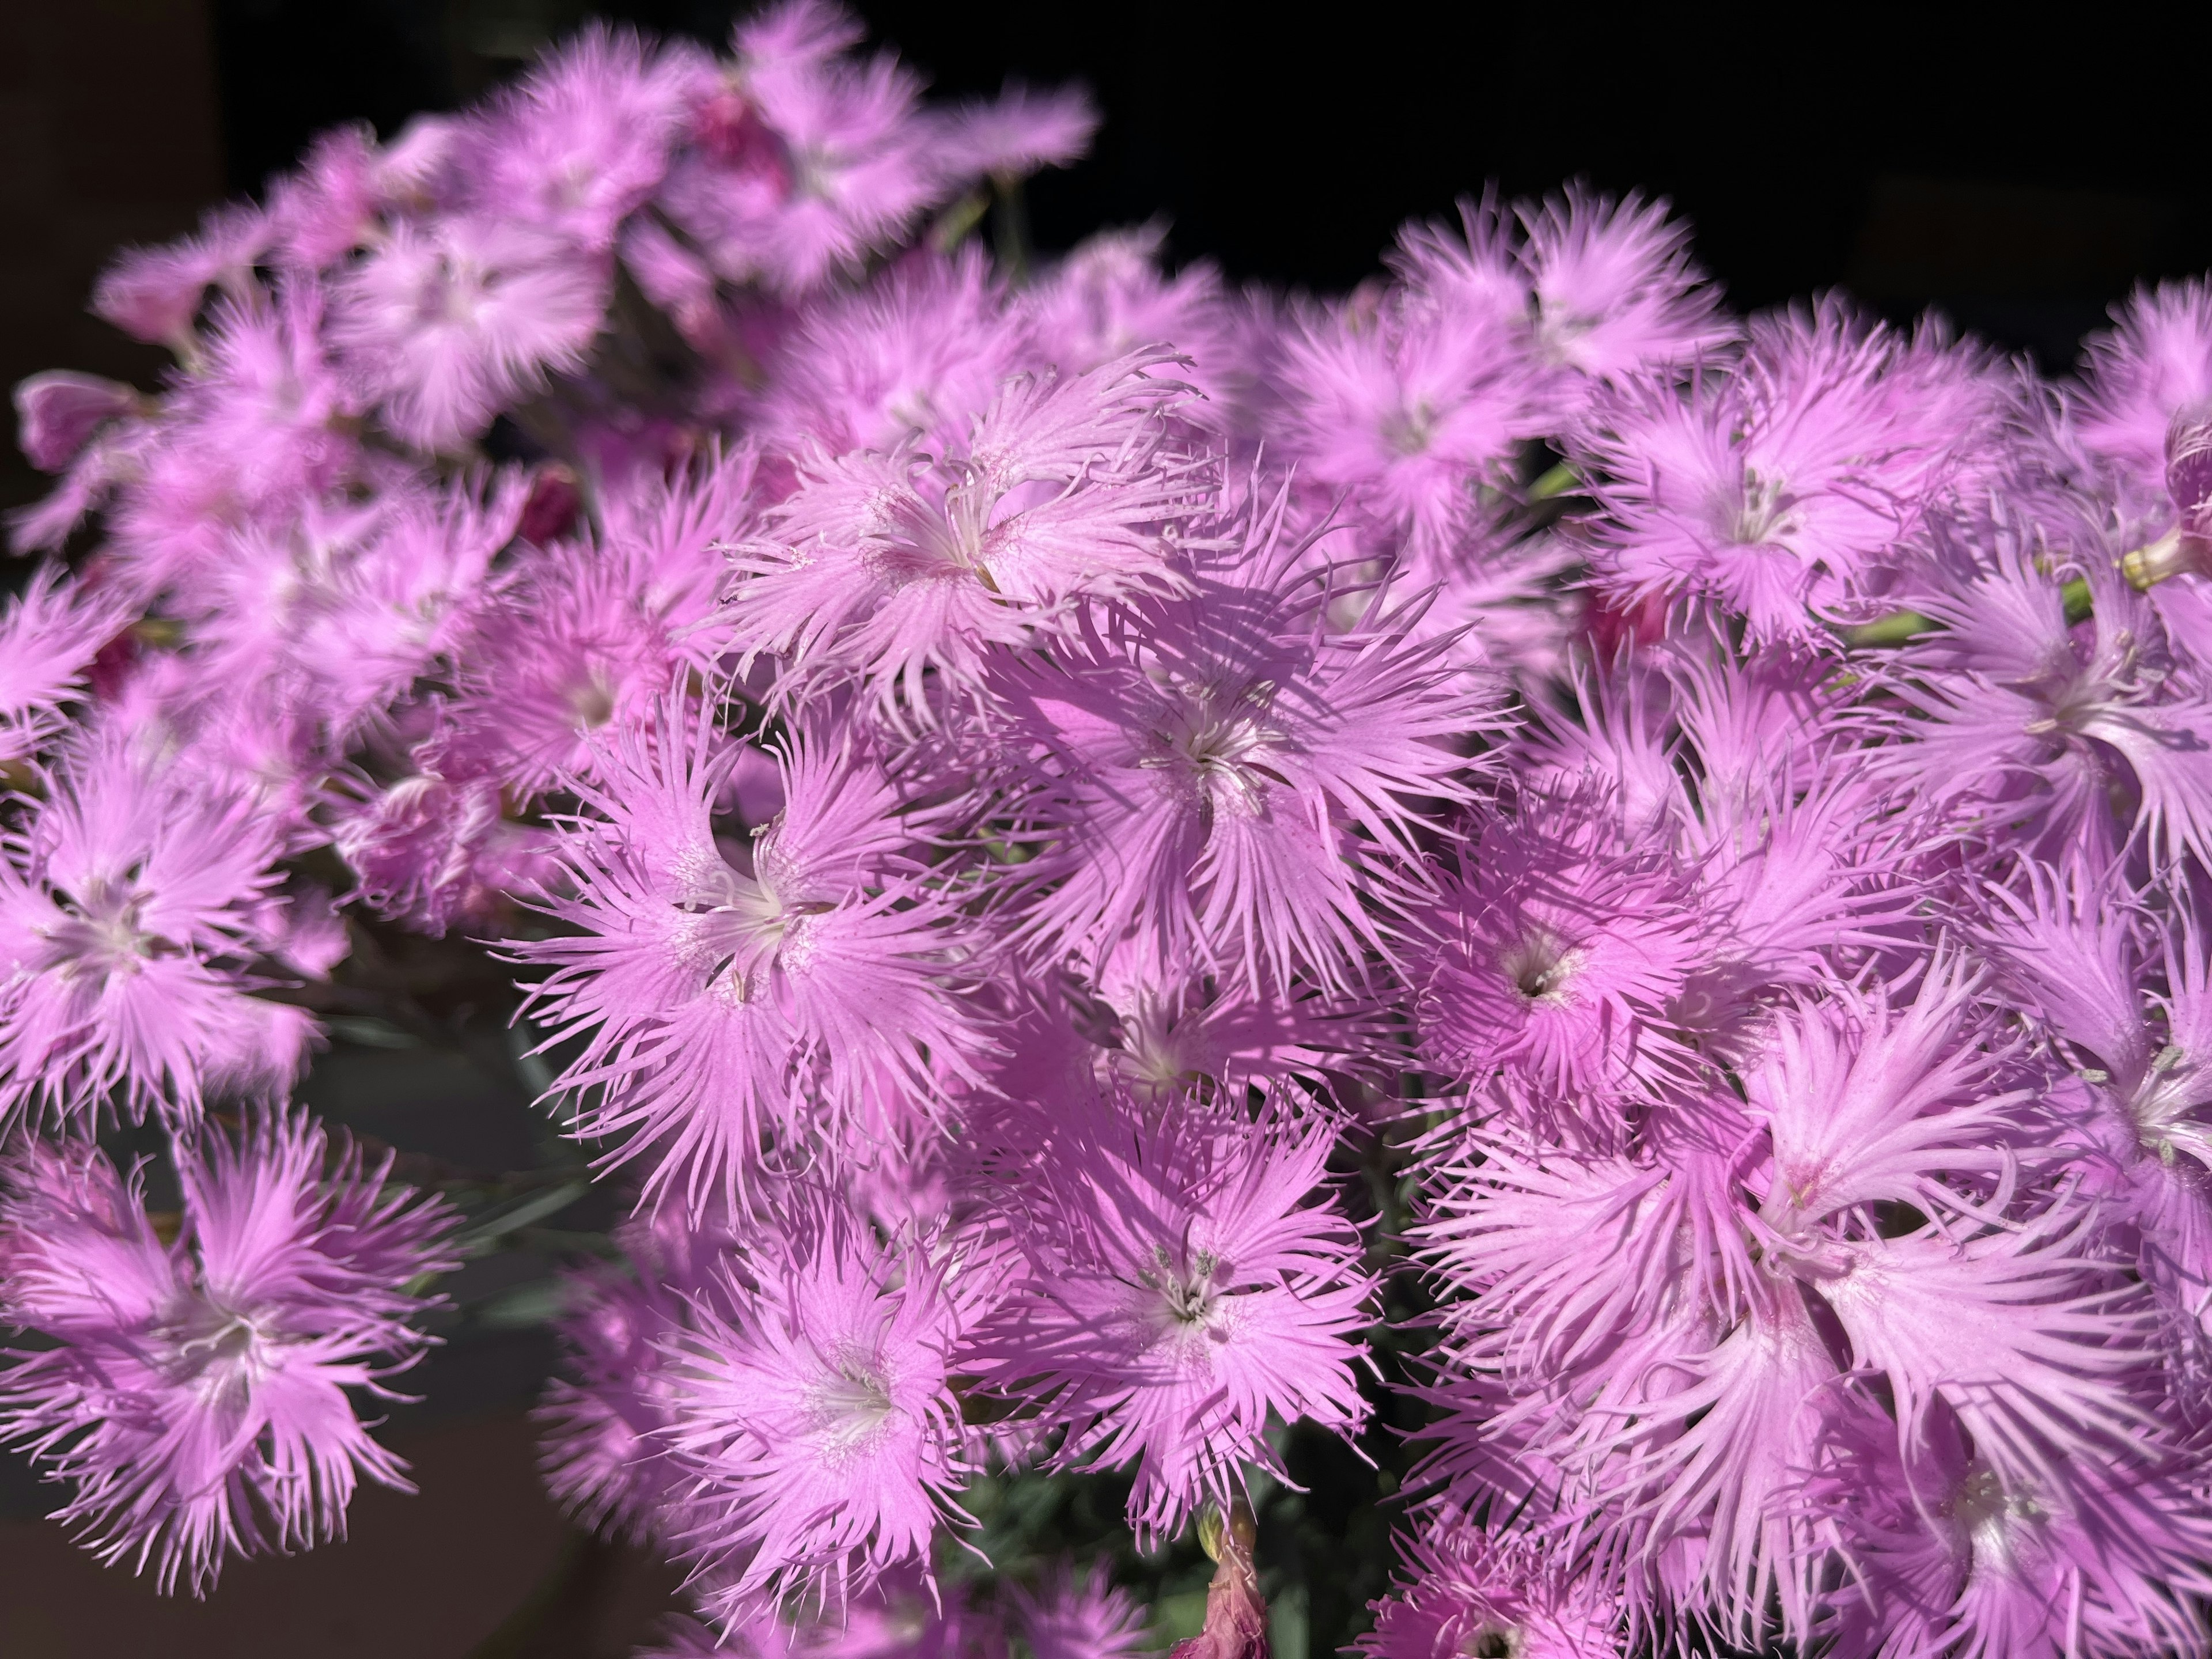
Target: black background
x=2020 y=171
x=2024 y=173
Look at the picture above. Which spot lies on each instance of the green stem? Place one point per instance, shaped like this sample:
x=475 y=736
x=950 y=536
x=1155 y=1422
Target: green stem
x=1902 y=626
x=1558 y=481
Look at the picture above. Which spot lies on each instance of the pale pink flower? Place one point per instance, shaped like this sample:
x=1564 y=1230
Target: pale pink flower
x=1181 y=1293
x=196 y=1393
x=818 y=1442
x=447 y=321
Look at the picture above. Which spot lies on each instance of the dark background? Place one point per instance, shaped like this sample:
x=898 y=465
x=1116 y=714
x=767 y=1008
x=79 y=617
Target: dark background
x=2021 y=177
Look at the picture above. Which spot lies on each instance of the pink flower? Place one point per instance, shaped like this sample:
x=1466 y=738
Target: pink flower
x=1614 y=287
x=431 y=851
x=1409 y=411
x=1467 y=1591
x=1066 y=1617
x=2152 y=369
x=1230 y=781
x=891 y=565
x=1780 y=485
x=585 y=139
x=195 y=1391
x=2024 y=728
x=794 y=993
x=1182 y=1291
x=154 y=294
x=57 y=412
x=128 y=907
x=445 y=322
x=1110 y=296
x=810 y=1415
x=48 y=640
x=806 y=160
x=919 y=353
x=1015 y=134
x=585 y=634
x=1562 y=951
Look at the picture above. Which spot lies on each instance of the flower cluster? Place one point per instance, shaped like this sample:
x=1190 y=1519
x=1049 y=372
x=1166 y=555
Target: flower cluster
x=997 y=788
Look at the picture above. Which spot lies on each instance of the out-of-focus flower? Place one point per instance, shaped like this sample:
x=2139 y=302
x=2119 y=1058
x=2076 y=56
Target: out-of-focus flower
x=196 y=1393
x=444 y=322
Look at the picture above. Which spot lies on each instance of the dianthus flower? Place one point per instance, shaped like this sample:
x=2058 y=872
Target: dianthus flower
x=1625 y=914
x=584 y=140
x=129 y=903
x=1781 y=484
x=1182 y=1291
x=1109 y=297
x=604 y=1450
x=448 y=321
x=2153 y=370
x=48 y=639
x=891 y=565
x=57 y=414
x=1228 y=779
x=811 y=1417
x=196 y=1393
x=2032 y=730
x=155 y=294
x=918 y=352
x=582 y=635
x=1468 y=1592
x=789 y=993
x=805 y=158
x=2127 y=999
x=1663 y=1340
x=1408 y=411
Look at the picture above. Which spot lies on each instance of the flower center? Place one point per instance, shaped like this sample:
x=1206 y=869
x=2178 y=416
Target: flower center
x=219 y=1353
x=851 y=1407
x=592 y=699
x=99 y=937
x=1541 y=967
x=1763 y=513
x=1215 y=750
x=1188 y=1297
x=1410 y=430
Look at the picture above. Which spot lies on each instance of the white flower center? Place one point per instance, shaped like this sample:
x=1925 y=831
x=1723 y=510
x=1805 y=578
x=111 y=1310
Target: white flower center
x=1541 y=967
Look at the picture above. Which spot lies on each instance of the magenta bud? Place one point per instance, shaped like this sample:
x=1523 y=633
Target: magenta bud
x=57 y=412
x=556 y=499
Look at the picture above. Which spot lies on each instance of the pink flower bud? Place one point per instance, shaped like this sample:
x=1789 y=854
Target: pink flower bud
x=57 y=412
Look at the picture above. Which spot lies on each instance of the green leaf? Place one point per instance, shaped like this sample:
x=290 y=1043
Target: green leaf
x=537 y=1302
x=481 y=1236
x=368 y=1032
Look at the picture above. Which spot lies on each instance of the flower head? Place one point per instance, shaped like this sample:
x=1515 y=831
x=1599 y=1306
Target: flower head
x=196 y=1393
x=890 y=566
x=1466 y=1592
x=1778 y=485
x=1227 y=780
x=790 y=992
x=445 y=321
x=1181 y=1291
x=129 y=905
x=810 y=1415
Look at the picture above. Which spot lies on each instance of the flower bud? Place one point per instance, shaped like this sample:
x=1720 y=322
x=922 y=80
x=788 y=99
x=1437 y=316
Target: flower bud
x=57 y=412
